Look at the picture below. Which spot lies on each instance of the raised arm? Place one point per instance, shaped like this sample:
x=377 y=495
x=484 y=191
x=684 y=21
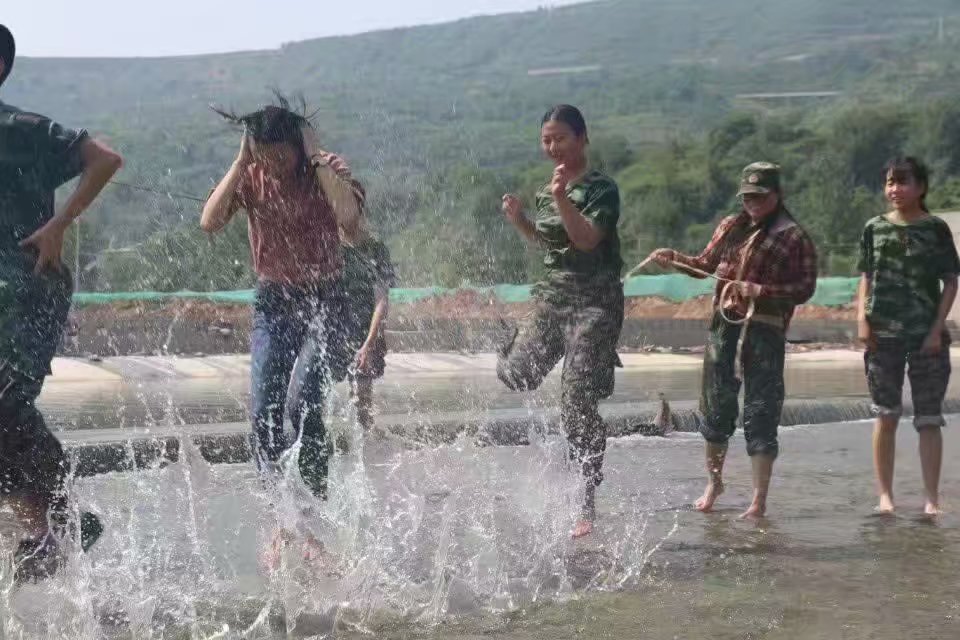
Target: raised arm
x=98 y=164
x=513 y=212
x=706 y=262
x=222 y=203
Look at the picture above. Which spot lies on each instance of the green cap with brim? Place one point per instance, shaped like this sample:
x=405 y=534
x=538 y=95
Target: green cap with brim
x=760 y=177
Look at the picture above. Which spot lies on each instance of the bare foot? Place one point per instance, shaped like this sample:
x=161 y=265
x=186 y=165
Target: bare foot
x=582 y=528
x=756 y=511
x=313 y=549
x=709 y=497
x=272 y=554
x=885 y=507
x=932 y=509
x=315 y=554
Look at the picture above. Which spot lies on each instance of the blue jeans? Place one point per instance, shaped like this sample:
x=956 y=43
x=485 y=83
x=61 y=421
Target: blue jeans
x=297 y=351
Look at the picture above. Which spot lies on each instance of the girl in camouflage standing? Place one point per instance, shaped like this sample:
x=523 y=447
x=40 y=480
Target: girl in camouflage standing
x=905 y=255
x=367 y=277
x=579 y=305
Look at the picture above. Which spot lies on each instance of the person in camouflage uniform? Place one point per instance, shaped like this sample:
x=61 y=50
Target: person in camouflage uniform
x=905 y=255
x=772 y=262
x=579 y=306
x=368 y=275
x=37 y=156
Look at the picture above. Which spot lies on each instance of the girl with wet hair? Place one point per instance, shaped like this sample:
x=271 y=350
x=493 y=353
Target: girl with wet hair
x=909 y=268
x=579 y=306
x=297 y=339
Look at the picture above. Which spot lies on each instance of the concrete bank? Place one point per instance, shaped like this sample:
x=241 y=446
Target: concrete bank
x=169 y=368
x=111 y=450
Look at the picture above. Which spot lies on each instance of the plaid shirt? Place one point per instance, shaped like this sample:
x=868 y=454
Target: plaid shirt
x=782 y=259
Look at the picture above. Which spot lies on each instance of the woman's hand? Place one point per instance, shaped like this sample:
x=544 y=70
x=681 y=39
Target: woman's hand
x=48 y=243
x=245 y=156
x=664 y=257
x=558 y=185
x=933 y=343
x=865 y=335
x=750 y=289
x=362 y=359
x=512 y=208
x=336 y=163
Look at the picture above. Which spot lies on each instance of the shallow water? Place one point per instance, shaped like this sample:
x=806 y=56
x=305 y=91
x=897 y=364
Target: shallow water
x=135 y=403
x=458 y=542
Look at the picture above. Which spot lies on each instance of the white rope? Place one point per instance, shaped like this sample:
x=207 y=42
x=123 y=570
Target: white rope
x=726 y=292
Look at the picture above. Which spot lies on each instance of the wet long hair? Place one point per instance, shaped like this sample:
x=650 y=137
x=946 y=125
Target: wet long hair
x=8 y=52
x=279 y=123
x=901 y=167
x=568 y=115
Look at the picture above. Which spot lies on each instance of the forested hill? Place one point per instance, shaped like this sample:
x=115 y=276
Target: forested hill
x=441 y=119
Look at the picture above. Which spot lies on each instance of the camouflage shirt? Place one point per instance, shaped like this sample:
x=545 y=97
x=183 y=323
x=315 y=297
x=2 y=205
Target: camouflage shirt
x=905 y=264
x=366 y=267
x=36 y=157
x=598 y=199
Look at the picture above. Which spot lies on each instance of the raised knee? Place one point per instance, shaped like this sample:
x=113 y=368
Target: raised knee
x=514 y=378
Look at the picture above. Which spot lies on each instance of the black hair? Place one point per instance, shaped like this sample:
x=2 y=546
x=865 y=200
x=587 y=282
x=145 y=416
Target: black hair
x=568 y=115
x=8 y=51
x=901 y=167
x=275 y=123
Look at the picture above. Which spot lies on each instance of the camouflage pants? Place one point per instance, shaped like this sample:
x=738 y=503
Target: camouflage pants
x=32 y=462
x=585 y=335
x=33 y=313
x=763 y=361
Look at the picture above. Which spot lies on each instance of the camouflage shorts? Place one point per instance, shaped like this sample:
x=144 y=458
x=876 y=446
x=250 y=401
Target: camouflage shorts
x=929 y=376
x=585 y=336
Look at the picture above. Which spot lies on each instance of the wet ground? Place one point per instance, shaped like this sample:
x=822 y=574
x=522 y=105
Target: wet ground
x=465 y=543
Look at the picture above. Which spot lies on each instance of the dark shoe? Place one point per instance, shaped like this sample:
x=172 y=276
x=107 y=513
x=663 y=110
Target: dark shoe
x=505 y=344
x=313 y=461
x=90 y=530
x=36 y=560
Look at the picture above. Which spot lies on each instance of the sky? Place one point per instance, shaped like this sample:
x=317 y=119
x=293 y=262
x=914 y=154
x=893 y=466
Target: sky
x=123 y=28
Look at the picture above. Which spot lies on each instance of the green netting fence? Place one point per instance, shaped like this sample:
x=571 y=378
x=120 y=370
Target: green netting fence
x=831 y=292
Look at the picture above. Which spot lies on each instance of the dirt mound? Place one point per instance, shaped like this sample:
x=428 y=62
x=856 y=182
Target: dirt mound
x=464 y=305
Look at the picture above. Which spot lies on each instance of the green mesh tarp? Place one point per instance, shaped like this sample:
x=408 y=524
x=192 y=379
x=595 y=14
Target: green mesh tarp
x=835 y=292
x=831 y=292
x=242 y=296
x=503 y=292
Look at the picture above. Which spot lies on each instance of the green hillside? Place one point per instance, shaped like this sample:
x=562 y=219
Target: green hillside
x=440 y=120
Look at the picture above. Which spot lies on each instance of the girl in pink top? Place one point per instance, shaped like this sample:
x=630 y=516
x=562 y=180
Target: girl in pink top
x=297 y=342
